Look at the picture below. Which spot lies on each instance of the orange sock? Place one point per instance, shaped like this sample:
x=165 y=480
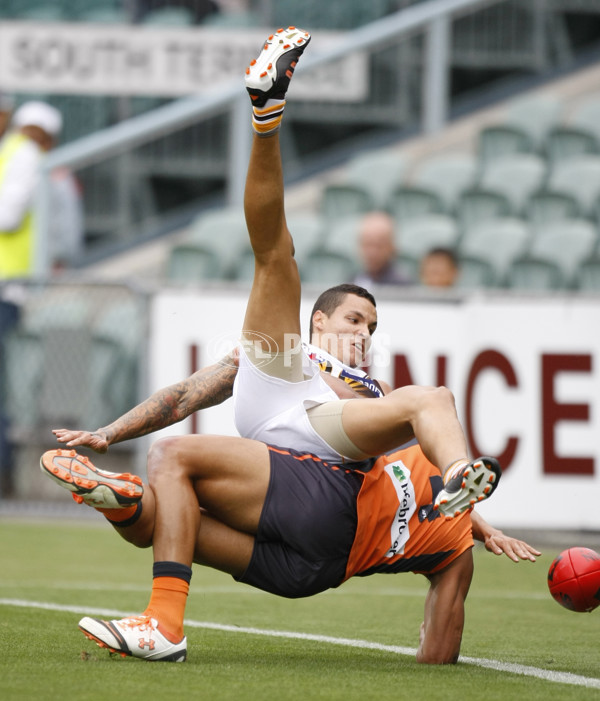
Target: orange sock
x=123 y=517
x=167 y=605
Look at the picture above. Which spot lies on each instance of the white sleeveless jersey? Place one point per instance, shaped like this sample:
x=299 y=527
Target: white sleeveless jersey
x=273 y=410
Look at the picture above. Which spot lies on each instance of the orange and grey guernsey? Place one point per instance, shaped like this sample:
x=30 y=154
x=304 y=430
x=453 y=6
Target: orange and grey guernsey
x=397 y=528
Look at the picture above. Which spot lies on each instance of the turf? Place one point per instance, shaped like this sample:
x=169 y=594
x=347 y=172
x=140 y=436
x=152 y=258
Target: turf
x=510 y=618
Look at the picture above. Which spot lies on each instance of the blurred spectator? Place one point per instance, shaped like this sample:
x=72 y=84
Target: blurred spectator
x=377 y=252
x=6 y=109
x=439 y=268
x=34 y=129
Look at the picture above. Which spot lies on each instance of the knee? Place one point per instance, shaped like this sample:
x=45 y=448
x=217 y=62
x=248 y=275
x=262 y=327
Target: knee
x=162 y=459
x=435 y=398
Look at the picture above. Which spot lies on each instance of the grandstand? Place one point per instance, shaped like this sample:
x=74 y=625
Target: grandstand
x=479 y=147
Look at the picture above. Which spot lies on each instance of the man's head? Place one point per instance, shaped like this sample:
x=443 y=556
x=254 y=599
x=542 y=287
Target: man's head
x=342 y=322
x=439 y=268
x=40 y=122
x=376 y=243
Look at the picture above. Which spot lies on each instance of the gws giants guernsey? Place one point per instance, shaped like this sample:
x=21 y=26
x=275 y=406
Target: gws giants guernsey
x=397 y=529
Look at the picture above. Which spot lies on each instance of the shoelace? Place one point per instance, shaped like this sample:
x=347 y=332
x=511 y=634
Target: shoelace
x=141 y=622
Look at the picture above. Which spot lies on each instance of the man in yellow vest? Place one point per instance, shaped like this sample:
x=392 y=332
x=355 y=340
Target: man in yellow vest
x=34 y=129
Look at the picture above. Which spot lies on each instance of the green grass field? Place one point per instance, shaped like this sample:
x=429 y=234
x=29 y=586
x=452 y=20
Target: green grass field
x=52 y=572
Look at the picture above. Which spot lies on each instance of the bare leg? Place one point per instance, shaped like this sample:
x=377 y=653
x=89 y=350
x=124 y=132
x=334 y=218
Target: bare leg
x=274 y=303
x=227 y=477
x=428 y=414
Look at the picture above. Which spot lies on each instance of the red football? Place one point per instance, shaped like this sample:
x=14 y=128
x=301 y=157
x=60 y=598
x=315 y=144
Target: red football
x=574 y=579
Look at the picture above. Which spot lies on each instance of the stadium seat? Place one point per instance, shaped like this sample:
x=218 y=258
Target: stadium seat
x=516 y=177
x=478 y=205
x=544 y=207
x=580 y=178
x=340 y=200
x=500 y=140
x=566 y=244
x=564 y=143
x=377 y=171
x=408 y=202
x=475 y=272
x=417 y=236
x=342 y=236
x=222 y=231
x=530 y=273
x=328 y=268
x=448 y=176
x=535 y=115
x=587 y=276
x=192 y=263
x=307 y=232
x=497 y=242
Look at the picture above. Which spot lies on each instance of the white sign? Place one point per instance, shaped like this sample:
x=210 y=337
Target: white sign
x=525 y=374
x=169 y=62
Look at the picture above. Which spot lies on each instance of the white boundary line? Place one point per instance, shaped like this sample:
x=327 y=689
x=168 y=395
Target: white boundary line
x=511 y=668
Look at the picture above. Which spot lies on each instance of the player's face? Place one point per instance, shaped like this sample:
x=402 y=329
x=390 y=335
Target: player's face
x=346 y=334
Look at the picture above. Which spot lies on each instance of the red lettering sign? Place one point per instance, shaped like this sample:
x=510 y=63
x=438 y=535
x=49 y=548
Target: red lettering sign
x=484 y=361
x=554 y=412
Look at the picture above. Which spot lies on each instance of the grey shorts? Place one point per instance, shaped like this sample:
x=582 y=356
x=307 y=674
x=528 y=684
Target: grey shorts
x=307 y=526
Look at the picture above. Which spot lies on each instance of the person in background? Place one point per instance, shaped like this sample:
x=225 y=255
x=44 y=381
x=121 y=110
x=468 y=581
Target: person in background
x=377 y=252
x=439 y=268
x=34 y=130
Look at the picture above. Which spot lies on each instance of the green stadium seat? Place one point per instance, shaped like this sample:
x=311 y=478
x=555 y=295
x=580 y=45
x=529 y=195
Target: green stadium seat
x=417 y=236
x=476 y=272
x=448 y=176
x=499 y=140
x=566 y=244
x=497 y=242
x=516 y=176
x=342 y=200
x=378 y=171
x=587 y=276
x=566 y=142
x=580 y=178
x=478 y=205
x=530 y=273
x=325 y=268
x=192 y=263
x=407 y=202
x=544 y=207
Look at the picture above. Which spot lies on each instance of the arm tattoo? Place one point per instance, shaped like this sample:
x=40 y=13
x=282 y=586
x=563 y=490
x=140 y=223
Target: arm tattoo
x=207 y=387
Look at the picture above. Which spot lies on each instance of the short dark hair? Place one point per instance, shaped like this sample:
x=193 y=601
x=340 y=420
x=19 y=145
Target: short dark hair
x=443 y=251
x=330 y=300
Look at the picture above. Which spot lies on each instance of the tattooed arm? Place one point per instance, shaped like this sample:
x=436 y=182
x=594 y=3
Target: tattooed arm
x=207 y=387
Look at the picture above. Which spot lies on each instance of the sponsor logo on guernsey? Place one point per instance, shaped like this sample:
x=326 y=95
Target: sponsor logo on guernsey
x=405 y=491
